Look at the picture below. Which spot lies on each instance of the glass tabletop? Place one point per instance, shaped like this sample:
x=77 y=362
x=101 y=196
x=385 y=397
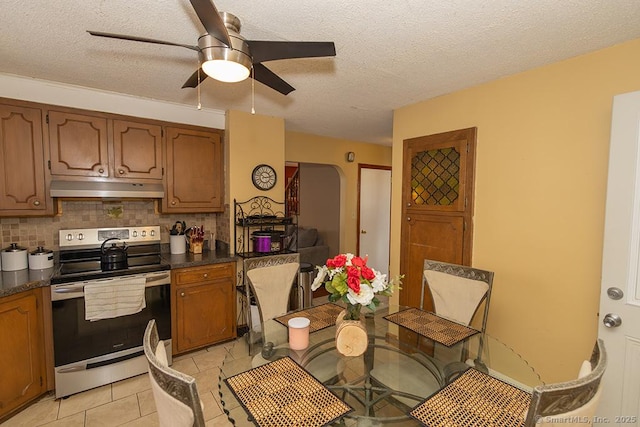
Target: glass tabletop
x=398 y=370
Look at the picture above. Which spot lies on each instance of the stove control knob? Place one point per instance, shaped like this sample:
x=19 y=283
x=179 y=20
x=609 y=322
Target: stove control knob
x=152 y=233
x=80 y=236
x=69 y=237
x=144 y=233
x=135 y=233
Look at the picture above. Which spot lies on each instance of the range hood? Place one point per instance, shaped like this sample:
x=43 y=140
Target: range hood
x=104 y=190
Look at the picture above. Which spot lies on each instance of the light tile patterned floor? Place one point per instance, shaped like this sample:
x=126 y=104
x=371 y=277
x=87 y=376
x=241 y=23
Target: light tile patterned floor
x=130 y=402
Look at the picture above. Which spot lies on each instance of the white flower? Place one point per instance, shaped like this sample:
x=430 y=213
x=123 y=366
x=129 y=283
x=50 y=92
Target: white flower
x=379 y=283
x=319 y=280
x=364 y=297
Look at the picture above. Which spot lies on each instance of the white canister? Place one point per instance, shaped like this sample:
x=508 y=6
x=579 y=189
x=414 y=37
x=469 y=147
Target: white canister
x=40 y=259
x=14 y=258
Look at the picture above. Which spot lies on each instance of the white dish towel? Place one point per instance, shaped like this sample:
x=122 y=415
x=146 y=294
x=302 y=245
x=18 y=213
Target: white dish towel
x=114 y=298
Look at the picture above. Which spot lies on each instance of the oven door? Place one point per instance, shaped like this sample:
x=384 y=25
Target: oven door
x=76 y=339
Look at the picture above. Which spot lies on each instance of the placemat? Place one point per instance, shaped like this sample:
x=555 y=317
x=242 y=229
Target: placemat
x=321 y=316
x=282 y=394
x=474 y=399
x=431 y=326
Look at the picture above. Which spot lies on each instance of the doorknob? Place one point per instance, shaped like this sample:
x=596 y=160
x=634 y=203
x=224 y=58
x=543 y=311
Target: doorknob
x=615 y=293
x=612 y=320
x=363 y=231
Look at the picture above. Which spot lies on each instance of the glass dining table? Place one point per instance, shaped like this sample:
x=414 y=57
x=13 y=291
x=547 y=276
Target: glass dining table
x=398 y=370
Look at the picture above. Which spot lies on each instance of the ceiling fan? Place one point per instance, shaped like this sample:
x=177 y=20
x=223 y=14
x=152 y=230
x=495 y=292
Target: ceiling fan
x=227 y=56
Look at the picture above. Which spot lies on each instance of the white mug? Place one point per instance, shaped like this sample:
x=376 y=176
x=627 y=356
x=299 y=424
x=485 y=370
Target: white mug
x=178 y=244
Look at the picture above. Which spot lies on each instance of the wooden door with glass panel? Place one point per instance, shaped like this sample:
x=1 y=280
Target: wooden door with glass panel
x=437 y=196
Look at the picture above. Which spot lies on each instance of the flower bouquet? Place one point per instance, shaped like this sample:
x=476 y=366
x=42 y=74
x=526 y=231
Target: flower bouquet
x=348 y=278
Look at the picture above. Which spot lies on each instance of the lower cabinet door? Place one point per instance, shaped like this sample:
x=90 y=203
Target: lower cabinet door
x=205 y=314
x=22 y=356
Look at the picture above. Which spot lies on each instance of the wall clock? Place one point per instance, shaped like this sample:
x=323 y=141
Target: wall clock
x=263 y=177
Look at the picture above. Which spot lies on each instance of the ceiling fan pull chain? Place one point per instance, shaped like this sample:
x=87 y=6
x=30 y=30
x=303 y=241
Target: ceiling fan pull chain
x=199 y=104
x=253 y=91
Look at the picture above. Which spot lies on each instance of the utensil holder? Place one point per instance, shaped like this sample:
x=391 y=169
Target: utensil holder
x=178 y=244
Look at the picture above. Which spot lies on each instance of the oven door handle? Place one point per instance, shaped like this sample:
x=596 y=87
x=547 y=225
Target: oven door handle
x=157 y=278
x=69 y=289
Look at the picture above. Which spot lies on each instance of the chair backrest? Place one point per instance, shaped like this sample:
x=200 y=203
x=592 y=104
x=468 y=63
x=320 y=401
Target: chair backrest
x=571 y=401
x=175 y=394
x=457 y=291
x=269 y=279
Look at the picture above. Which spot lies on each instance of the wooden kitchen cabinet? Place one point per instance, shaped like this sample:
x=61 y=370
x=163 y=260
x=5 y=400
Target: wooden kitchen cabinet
x=22 y=359
x=100 y=146
x=195 y=170
x=23 y=184
x=203 y=306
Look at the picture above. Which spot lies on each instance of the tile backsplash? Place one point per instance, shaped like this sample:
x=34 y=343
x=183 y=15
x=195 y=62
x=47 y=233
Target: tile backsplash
x=34 y=232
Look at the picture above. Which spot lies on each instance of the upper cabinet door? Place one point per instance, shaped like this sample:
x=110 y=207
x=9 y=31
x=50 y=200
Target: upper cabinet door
x=195 y=171
x=22 y=182
x=137 y=149
x=78 y=145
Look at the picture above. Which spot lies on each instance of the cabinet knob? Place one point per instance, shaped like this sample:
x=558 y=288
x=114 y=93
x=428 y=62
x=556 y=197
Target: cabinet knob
x=101 y=170
x=206 y=275
x=173 y=202
x=181 y=294
x=408 y=218
x=36 y=203
x=121 y=171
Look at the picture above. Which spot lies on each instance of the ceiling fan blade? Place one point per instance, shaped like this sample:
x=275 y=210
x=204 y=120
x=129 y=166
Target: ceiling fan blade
x=193 y=80
x=141 y=39
x=262 y=50
x=211 y=20
x=269 y=78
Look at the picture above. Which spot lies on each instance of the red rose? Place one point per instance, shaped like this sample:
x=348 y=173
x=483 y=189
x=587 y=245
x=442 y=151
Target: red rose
x=353 y=279
x=338 y=261
x=367 y=273
x=356 y=261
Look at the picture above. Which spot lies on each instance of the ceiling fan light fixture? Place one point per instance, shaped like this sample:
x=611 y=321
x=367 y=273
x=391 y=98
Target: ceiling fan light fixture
x=226 y=64
x=225 y=70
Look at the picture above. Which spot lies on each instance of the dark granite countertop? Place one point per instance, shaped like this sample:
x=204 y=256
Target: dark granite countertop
x=13 y=282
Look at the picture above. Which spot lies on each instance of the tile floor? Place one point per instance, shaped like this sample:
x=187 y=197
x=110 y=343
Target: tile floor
x=130 y=402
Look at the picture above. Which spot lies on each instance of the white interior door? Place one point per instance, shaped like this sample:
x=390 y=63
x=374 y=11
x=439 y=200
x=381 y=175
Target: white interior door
x=620 y=293
x=375 y=217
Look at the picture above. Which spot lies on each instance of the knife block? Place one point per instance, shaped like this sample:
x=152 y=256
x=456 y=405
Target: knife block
x=195 y=247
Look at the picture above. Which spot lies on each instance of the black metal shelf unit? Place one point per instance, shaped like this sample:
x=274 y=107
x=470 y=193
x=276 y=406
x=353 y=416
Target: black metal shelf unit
x=265 y=215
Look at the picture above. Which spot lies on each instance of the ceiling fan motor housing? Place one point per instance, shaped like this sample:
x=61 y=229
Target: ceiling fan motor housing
x=213 y=49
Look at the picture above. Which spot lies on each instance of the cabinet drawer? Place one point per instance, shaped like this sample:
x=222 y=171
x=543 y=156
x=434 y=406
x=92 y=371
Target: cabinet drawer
x=203 y=274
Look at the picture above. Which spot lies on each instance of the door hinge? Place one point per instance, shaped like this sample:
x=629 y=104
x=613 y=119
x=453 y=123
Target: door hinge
x=466 y=202
x=49 y=164
x=468 y=146
x=464 y=226
x=46 y=118
x=162 y=132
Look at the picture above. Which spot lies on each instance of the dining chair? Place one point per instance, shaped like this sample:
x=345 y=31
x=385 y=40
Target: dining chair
x=570 y=402
x=485 y=403
x=269 y=281
x=457 y=291
x=175 y=394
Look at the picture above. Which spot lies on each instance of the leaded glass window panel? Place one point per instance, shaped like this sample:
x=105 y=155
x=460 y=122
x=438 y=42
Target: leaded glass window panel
x=435 y=177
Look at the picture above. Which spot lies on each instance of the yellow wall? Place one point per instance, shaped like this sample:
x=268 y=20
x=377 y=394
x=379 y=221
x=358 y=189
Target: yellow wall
x=252 y=139
x=305 y=148
x=541 y=170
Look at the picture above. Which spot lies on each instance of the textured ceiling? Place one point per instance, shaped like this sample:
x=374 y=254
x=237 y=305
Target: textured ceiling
x=389 y=54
